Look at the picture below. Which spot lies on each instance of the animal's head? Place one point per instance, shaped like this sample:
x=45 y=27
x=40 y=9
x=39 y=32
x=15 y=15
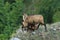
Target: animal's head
x=24 y=24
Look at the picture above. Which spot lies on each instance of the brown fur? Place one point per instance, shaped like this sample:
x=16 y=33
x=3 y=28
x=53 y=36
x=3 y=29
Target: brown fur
x=33 y=20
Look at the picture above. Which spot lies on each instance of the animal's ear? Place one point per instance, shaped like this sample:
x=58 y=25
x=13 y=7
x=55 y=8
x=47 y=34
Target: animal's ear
x=24 y=16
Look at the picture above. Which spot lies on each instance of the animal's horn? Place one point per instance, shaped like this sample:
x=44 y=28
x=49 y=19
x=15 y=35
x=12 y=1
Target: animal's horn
x=24 y=16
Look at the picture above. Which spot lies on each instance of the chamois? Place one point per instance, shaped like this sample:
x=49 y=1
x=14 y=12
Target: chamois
x=32 y=20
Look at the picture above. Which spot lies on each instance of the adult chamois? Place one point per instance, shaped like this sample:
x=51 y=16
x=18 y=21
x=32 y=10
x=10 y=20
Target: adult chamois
x=33 y=21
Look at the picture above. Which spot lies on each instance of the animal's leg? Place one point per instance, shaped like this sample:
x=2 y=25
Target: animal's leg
x=28 y=27
x=42 y=22
x=45 y=28
x=37 y=26
x=33 y=28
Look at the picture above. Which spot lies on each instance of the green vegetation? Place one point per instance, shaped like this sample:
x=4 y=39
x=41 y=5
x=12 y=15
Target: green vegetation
x=11 y=12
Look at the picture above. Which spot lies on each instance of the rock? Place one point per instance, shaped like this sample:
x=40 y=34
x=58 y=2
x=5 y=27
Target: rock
x=15 y=39
x=38 y=34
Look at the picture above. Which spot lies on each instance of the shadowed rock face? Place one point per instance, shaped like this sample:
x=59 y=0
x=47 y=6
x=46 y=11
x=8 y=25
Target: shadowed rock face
x=52 y=34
